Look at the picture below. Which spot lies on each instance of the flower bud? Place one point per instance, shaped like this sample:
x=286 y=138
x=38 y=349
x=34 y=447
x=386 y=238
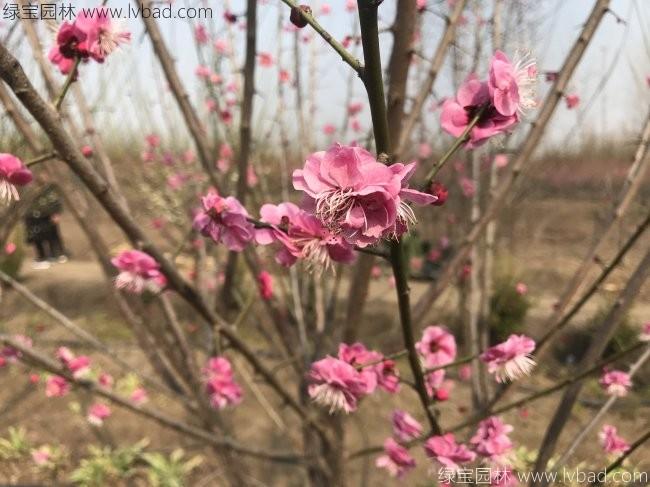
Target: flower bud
x=439 y=190
x=297 y=18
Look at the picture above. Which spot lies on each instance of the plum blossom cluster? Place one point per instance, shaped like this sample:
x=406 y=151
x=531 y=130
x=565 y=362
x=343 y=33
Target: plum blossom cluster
x=13 y=174
x=93 y=35
x=220 y=384
x=139 y=272
x=396 y=458
x=340 y=383
x=497 y=102
x=616 y=382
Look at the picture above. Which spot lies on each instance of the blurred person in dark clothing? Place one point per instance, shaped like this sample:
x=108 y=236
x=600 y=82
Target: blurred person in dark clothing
x=41 y=222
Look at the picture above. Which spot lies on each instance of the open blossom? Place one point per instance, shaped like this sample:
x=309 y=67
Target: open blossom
x=356 y=196
x=437 y=346
x=56 y=386
x=511 y=359
x=78 y=366
x=396 y=459
x=103 y=35
x=378 y=372
x=616 y=382
x=336 y=384
x=436 y=385
x=302 y=236
x=457 y=113
x=224 y=220
x=611 y=441
x=12 y=173
x=512 y=87
x=139 y=272
x=447 y=452
x=220 y=383
x=405 y=426
x=491 y=439
x=97 y=413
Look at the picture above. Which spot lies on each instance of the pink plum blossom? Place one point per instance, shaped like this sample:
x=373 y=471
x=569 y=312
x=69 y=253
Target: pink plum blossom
x=511 y=359
x=350 y=5
x=97 y=413
x=105 y=380
x=302 y=236
x=13 y=173
x=457 y=113
x=396 y=459
x=10 y=248
x=491 y=439
x=79 y=366
x=71 y=43
x=354 y=108
x=224 y=220
x=336 y=384
x=201 y=34
x=265 y=59
x=424 y=150
x=139 y=396
x=405 y=426
x=103 y=36
x=437 y=346
x=139 y=272
x=512 y=87
x=356 y=196
x=329 y=129
x=222 y=46
x=378 y=371
x=501 y=161
x=616 y=382
x=572 y=101
x=10 y=353
x=220 y=384
x=325 y=9
x=56 y=386
x=611 y=441
x=521 y=288
x=447 y=452
x=87 y=151
x=42 y=455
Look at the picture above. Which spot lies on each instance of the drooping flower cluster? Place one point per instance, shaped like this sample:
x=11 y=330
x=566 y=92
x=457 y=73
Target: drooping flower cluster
x=497 y=102
x=13 y=173
x=224 y=220
x=511 y=359
x=339 y=383
x=357 y=197
x=301 y=236
x=139 y=272
x=220 y=383
x=616 y=382
x=93 y=35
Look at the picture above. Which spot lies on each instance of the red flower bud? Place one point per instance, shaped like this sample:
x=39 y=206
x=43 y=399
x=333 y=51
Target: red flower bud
x=297 y=18
x=442 y=395
x=438 y=189
x=229 y=17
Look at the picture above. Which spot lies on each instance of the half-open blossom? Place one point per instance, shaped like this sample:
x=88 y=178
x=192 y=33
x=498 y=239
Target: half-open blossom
x=616 y=382
x=378 y=371
x=447 y=452
x=139 y=272
x=336 y=384
x=265 y=284
x=644 y=336
x=396 y=459
x=437 y=387
x=491 y=439
x=356 y=196
x=302 y=236
x=611 y=441
x=220 y=383
x=56 y=386
x=12 y=173
x=437 y=346
x=440 y=191
x=457 y=113
x=511 y=359
x=224 y=220
x=97 y=413
x=512 y=86
x=405 y=426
